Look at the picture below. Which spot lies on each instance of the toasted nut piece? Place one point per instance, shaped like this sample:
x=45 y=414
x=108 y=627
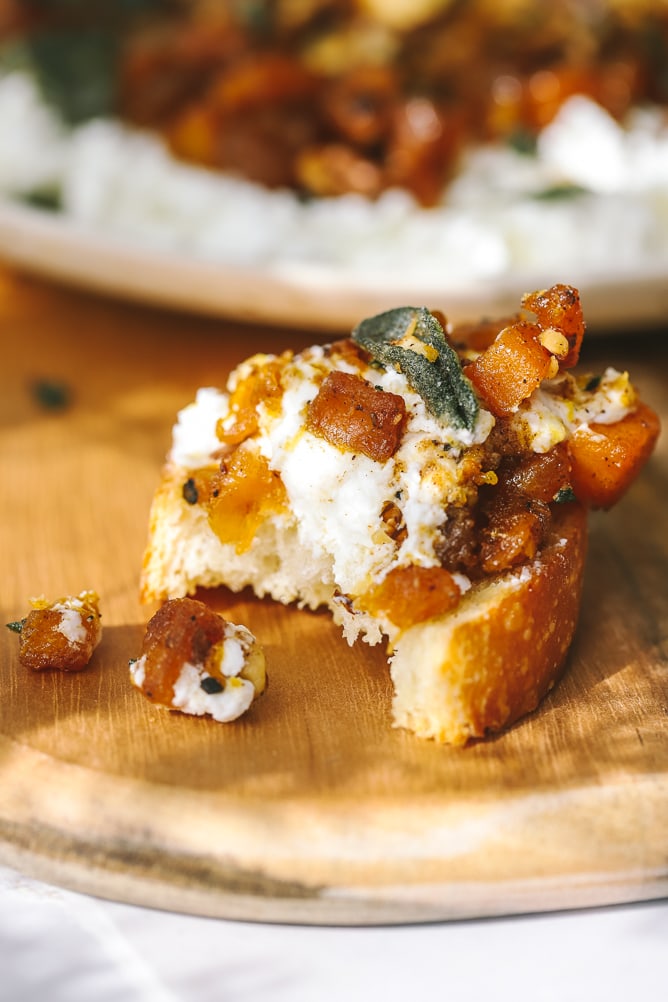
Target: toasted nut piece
x=555 y=342
x=553 y=367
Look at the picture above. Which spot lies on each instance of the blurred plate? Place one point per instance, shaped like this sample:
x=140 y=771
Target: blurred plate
x=296 y=294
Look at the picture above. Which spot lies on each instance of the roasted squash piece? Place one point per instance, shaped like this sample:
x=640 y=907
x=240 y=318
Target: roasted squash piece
x=511 y=368
x=409 y=595
x=261 y=385
x=606 y=458
x=243 y=494
x=559 y=308
x=352 y=414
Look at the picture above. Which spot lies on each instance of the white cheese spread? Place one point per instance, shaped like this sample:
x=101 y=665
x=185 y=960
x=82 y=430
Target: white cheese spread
x=336 y=497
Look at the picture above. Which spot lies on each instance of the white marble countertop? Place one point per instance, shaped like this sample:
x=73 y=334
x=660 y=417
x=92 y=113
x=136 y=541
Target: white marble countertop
x=60 y=946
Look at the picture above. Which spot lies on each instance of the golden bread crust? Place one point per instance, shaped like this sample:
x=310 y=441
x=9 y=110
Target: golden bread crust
x=167 y=516
x=490 y=662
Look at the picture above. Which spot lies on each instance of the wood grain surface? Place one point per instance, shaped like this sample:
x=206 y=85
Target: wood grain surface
x=312 y=808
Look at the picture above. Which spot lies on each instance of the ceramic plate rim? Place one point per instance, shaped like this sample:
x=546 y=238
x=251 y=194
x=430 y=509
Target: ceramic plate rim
x=292 y=294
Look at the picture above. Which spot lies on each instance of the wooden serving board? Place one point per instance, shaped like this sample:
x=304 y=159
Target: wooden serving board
x=312 y=808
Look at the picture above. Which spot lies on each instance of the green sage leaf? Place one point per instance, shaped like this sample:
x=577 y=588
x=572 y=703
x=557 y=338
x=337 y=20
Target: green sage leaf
x=411 y=340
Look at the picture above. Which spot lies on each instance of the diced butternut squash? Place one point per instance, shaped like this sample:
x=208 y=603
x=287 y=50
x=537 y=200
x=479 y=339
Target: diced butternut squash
x=541 y=475
x=355 y=416
x=181 y=630
x=511 y=368
x=258 y=81
x=243 y=495
x=606 y=458
x=559 y=309
x=410 y=595
x=477 y=335
x=262 y=385
x=192 y=135
x=360 y=104
x=514 y=533
x=60 y=635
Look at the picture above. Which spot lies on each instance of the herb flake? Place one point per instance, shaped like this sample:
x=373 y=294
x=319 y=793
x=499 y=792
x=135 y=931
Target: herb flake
x=559 y=192
x=565 y=495
x=46 y=199
x=51 y=394
x=523 y=141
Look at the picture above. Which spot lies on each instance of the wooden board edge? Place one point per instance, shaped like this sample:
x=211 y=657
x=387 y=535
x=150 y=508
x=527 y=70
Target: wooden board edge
x=292 y=904
x=339 y=863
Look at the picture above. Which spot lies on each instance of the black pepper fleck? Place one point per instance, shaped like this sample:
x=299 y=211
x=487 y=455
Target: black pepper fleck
x=211 y=685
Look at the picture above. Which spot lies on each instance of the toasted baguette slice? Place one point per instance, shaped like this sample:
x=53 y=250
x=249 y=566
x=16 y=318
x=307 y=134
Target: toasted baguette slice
x=430 y=493
x=460 y=676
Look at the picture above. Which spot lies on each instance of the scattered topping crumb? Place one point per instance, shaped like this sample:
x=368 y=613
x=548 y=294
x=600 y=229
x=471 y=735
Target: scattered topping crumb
x=195 y=661
x=190 y=492
x=59 y=635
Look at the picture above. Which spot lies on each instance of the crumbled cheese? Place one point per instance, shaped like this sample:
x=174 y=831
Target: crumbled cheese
x=194 y=434
x=612 y=400
x=527 y=573
x=228 y=704
x=233 y=657
x=138 y=671
x=463 y=582
x=543 y=427
x=71 y=624
x=560 y=407
x=336 y=497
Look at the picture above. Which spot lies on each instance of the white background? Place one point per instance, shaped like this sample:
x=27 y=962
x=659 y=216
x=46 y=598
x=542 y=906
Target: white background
x=58 y=946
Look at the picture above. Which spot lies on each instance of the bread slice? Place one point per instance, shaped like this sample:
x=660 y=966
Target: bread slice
x=462 y=675
x=428 y=508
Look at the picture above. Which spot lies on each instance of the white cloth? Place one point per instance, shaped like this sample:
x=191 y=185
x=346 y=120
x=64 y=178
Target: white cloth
x=59 y=946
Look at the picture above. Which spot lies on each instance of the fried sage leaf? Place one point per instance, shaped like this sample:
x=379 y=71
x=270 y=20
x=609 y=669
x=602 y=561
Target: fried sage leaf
x=411 y=340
